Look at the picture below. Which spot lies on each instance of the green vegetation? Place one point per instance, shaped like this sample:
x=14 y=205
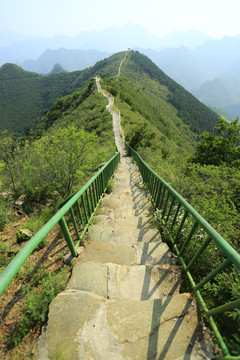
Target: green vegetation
x=64 y=148
x=3 y=213
x=222 y=149
x=57 y=161
x=24 y=96
x=44 y=288
x=4 y=251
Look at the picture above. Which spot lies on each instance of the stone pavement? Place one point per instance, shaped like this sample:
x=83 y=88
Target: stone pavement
x=122 y=301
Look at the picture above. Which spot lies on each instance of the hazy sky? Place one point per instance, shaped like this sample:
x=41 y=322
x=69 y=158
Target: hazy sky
x=161 y=17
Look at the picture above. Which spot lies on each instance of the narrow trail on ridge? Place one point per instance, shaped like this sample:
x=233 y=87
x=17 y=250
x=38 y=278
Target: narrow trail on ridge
x=123 y=300
x=120 y=66
x=115 y=117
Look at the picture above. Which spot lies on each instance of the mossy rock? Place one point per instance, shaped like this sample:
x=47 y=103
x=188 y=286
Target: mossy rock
x=23 y=235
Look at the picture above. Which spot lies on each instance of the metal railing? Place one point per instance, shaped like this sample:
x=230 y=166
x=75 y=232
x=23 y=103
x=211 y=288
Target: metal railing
x=73 y=217
x=185 y=225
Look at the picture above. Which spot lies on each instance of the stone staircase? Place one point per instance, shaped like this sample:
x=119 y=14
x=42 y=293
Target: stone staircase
x=122 y=301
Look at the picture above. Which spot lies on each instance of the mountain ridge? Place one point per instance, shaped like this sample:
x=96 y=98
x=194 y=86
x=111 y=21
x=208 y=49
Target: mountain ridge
x=42 y=91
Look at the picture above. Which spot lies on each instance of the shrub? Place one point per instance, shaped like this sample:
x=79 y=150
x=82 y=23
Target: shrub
x=110 y=186
x=37 y=301
x=3 y=214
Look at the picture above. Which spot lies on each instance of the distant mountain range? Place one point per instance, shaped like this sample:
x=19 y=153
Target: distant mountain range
x=207 y=67
x=70 y=60
x=211 y=72
x=17 y=48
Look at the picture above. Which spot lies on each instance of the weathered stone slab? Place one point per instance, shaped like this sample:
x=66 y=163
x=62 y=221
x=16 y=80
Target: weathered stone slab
x=96 y=341
x=107 y=253
x=121 y=188
x=68 y=312
x=141 y=283
x=127 y=283
x=123 y=201
x=131 y=320
x=119 y=213
x=155 y=329
x=124 y=231
x=90 y=276
x=173 y=339
x=104 y=219
x=167 y=278
x=101 y=233
x=116 y=203
x=152 y=329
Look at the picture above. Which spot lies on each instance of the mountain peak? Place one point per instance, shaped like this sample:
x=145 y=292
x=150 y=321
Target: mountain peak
x=57 y=69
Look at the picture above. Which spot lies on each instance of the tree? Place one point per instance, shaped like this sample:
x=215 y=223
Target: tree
x=57 y=161
x=221 y=149
x=8 y=147
x=141 y=136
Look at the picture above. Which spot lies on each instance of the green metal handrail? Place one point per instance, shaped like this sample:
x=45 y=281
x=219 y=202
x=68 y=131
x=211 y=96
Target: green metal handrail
x=174 y=211
x=74 y=215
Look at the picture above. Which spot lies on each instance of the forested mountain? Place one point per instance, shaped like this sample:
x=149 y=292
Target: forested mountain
x=25 y=96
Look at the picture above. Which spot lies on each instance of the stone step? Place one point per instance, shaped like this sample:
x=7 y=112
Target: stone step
x=115 y=202
x=107 y=252
x=130 y=221
x=121 y=235
x=82 y=325
x=148 y=254
x=122 y=282
x=124 y=212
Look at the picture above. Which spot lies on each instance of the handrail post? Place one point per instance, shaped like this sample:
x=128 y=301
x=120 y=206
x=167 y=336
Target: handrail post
x=67 y=235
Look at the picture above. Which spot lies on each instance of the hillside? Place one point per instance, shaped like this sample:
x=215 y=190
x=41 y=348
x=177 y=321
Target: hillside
x=25 y=96
x=192 y=112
